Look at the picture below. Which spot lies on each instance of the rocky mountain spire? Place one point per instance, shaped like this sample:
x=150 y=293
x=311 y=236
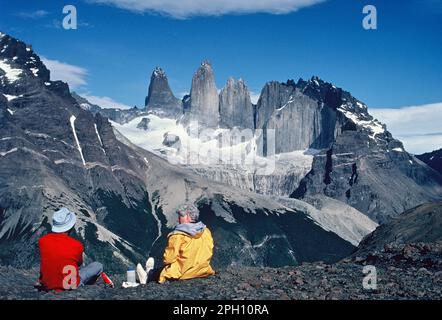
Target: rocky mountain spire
x=204 y=100
x=160 y=97
x=236 y=109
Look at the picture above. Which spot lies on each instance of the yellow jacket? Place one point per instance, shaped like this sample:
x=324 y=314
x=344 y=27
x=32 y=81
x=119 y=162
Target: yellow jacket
x=187 y=256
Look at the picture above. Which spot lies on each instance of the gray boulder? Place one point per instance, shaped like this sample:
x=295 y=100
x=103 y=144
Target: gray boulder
x=172 y=140
x=144 y=124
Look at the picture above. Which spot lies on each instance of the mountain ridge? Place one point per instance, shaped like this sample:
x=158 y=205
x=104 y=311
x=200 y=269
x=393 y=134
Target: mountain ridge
x=422 y=224
x=295 y=116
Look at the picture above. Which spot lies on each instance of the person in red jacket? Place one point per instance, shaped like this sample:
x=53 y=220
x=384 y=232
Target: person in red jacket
x=62 y=256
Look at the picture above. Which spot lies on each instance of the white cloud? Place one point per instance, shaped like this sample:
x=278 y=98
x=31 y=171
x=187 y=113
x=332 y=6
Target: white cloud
x=105 y=102
x=37 y=14
x=418 y=127
x=75 y=76
x=182 y=9
x=422 y=144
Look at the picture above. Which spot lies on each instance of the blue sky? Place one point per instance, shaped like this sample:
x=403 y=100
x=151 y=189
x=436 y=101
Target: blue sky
x=119 y=42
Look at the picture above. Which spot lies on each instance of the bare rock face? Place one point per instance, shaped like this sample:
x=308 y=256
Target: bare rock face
x=160 y=98
x=204 y=100
x=303 y=114
x=273 y=96
x=302 y=123
x=433 y=159
x=235 y=106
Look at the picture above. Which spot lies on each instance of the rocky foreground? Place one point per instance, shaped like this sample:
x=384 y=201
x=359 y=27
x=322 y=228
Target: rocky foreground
x=412 y=271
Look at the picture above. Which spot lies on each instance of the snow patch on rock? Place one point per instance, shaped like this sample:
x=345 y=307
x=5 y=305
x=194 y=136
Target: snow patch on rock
x=12 y=74
x=8 y=152
x=35 y=71
x=373 y=125
x=72 y=121
x=99 y=138
x=10 y=97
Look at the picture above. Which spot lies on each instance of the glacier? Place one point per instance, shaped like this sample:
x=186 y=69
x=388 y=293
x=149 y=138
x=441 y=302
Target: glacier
x=213 y=162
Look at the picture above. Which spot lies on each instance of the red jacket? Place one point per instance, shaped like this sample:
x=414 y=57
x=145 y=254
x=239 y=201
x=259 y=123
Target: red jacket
x=58 y=250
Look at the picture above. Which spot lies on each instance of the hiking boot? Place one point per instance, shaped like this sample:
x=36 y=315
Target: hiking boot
x=107 y=280
x=142 y=274
x=150 y=263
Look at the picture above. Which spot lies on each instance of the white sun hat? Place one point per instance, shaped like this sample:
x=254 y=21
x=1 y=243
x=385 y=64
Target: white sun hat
x=63 y=220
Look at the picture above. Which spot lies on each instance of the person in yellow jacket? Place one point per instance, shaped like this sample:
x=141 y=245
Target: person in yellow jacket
x=188 y=252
